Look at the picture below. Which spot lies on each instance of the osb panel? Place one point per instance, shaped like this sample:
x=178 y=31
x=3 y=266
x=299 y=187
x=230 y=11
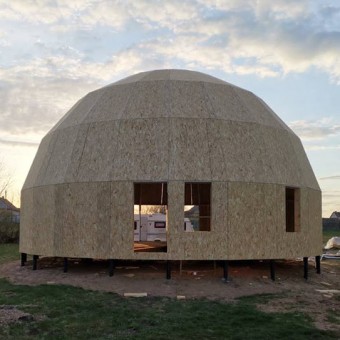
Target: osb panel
x=148 y=99
x=61 y=156
x=76 y=224
x=307 y=175
x=189 y=150
x=73 y=168
x=281 y=157
x=219 y=207
x=43 y=220
x=122 y=220
x=159 y=75
x=188 y=99
x=40 y=160
x=79 y=112
x=94 y=152
x=128 y=80
x=226 y=104
x=260 y=112
x=112 y=104
x=26 y=222
x=187 y=75
x=103 y=222
x=315 y=222
x=148 y=256
x=252 y=228
x=143 y=150
x=244 y=151
x=293 y=244
x=203 y=245
x=175 y=219
x=42 y=166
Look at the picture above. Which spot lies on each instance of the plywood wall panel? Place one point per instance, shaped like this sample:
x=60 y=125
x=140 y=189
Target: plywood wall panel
x=111 y=106
x=94 y=159
x=76 y=220
x=175 y=219
x=61 y=156
x=103 y=222
x=39 y=162
x=226 y=103
x=315 y=222
x=122 y=220
x=307 y=176
x=79 y=112
x=26 y=222
x=189 y=150
x=252 y=226
x=188 y=99
x=149 y=99
x=143 y=150
x=43 y=220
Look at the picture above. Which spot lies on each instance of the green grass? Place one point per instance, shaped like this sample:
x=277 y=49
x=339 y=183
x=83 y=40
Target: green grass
x=75 y=313
x=9 y=252
x=327 y=234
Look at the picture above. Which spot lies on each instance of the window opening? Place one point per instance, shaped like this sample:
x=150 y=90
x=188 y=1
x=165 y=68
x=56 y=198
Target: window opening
x=292 y=209
x=197 y=207
x=150 y=216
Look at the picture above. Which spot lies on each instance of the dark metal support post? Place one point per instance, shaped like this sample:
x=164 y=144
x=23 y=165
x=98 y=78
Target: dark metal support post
x=305 y=268
x=111 y=267
x=168 y=270
x=35 y=262
x=225 y=270
x=65 y=264
x=272 y=269
x=318 y=264
x=23 y=259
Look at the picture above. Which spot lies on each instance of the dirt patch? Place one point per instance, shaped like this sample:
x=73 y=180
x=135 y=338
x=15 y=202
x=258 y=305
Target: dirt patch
x=198 y=280
x=11 y=314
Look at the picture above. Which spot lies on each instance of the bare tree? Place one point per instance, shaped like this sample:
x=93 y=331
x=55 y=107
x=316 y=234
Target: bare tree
x=5 y=179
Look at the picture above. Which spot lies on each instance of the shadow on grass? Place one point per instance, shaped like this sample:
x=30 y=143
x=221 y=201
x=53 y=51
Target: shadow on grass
x=75 y=313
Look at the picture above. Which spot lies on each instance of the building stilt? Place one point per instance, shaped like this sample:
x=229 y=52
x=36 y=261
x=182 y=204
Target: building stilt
x=65 y=264
x=318 y=264
x=35 y=262
x=305 y=268
x=272 y=269
x=225 y=270
x=168 y=270
x=111 y=267
x=23 y=259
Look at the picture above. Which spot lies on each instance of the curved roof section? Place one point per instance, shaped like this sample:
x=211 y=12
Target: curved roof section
x=171 y=93
x=171 y=125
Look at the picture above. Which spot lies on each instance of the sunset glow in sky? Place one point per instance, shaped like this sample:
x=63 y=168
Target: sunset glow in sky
x=286 y=52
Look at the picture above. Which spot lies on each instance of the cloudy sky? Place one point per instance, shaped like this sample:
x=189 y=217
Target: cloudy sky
x=285 y=51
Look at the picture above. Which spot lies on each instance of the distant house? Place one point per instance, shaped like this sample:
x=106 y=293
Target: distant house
x=7 y=209
x=336 y=214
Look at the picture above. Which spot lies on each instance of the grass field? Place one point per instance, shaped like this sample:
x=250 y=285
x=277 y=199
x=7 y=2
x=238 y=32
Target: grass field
x=73 y=313
x=65 y=312
x=9 y=252
x=326 y=235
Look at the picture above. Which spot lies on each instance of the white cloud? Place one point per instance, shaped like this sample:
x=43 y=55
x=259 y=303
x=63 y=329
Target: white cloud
x=315 y=130
x=331 y=178
x=278 y=37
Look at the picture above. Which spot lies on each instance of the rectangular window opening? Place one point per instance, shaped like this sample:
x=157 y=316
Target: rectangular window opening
x=197 y=207
x=150 y=217
x=292 y=209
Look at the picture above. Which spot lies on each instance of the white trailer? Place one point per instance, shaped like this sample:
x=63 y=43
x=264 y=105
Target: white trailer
x=153 y=227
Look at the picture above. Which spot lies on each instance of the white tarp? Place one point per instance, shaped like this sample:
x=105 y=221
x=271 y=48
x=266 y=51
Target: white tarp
x=333 y=242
